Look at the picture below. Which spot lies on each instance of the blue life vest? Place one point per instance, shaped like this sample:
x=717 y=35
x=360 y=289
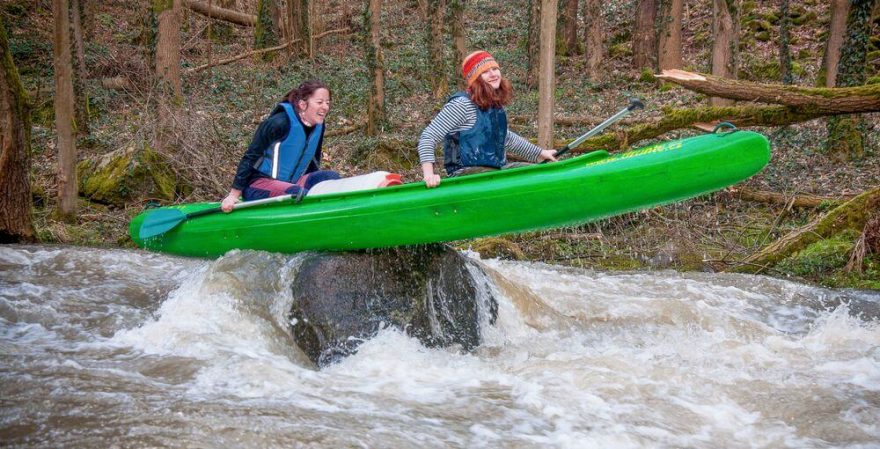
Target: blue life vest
x=288 y=159
x=482 y=145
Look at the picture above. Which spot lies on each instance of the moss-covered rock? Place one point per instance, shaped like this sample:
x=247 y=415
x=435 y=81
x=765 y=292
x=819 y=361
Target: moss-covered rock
x=823 y=256
x=497 y=247
x=126 y=174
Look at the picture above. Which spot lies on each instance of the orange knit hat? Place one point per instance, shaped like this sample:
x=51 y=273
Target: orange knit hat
x=475 y=64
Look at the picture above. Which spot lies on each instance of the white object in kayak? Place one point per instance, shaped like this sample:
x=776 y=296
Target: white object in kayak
x=362 y=182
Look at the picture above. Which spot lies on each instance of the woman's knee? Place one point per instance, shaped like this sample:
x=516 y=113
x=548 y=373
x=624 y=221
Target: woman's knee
x=319 y=176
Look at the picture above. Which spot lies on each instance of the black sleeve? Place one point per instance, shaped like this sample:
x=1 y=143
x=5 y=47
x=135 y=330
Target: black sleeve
x=272 y=129
x=315 y=163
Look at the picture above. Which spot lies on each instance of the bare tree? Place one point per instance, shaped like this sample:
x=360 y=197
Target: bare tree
x=547 y=80
x=16 y=219
x=265 y=33
x=81 y=74
x=436 y=53
x=725 y=31
x=643 y=40
x=669 y=41
x=836 y=33
x=534 y=43
x=376 y=65
x=64 y=115
x=167 y=13
x=457 y=29
x=785 y=43
x=594 y=32
x=846 y=135
x=302 y=25
x=316 y=24
x=569 y=29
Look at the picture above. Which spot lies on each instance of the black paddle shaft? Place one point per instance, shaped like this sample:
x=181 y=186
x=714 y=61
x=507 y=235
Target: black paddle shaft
x=634 y=103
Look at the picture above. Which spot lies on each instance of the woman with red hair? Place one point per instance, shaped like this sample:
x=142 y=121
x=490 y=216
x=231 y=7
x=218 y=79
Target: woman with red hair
x=473 y=126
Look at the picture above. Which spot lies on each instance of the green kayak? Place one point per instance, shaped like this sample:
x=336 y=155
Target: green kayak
x=570 y=192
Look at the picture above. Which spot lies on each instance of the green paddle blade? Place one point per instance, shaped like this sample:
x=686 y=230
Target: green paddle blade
x=160 y=222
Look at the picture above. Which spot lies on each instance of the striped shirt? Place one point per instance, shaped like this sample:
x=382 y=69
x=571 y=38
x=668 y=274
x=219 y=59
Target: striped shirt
x=460 y=114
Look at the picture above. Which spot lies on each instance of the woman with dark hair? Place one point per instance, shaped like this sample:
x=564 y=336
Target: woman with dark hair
x=285 y=153
x=473 y=126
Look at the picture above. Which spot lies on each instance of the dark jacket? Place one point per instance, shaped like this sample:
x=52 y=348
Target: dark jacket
x=275 y=128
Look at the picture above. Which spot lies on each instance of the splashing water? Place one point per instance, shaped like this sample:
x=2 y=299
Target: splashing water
x=111 y=347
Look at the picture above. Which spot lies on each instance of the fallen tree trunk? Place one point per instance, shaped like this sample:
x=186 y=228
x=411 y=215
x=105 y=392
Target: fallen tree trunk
x=682 y=118
x=851 y=215
x=227 y=15
x=802 y=200
x=794 y=105
x=817 y=100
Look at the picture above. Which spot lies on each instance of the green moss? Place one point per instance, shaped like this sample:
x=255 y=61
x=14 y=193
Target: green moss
x=622 y=49
x=123 y=175
x=803 y=19
x=763 y=36
x=665 y=87
x=497 y=247
x=823 y=256
x=647 y=76
x=760 y=25
x=770 y=18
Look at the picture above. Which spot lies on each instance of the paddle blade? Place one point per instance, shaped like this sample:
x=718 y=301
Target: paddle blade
x=159 y=222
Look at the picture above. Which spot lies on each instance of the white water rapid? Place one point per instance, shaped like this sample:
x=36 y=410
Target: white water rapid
x=114 y=348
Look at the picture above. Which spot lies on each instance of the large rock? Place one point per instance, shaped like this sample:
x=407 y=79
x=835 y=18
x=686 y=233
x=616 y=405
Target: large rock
x=125 y=174
x=428 y=292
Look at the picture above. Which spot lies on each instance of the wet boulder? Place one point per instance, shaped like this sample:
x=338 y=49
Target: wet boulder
x=429 y=292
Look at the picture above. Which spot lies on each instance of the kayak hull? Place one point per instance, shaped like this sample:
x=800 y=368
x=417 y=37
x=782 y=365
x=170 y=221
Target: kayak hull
x=570 y=192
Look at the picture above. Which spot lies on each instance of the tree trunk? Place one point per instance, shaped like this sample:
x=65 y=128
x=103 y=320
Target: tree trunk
x=784 y=44
x=81 y=74
x=265 y=34
x=16 y=218
x=822 y=101
x=851 y=215
x=569 y=29
x=436 y=53
x=725 y=34
x=376 y=65
x=643 y=41
x=594 y=32
x=547 y=80
x=671 y=12
x=224 y=14
x=302 y=25
x=534 y=43
x=459 y=40
x=316 y=24
x=836 y=33
x=64 y=115
x=167 y=70
x=846 y=135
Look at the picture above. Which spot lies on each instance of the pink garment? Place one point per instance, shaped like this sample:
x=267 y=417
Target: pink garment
x=276 y=187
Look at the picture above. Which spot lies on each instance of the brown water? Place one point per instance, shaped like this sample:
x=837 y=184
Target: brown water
x=129 y=349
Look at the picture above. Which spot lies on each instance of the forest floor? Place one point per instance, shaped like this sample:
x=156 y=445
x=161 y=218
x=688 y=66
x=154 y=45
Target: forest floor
x=222 y=107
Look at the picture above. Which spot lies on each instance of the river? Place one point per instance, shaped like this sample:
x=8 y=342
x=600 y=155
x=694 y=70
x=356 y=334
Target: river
x=119 y=348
